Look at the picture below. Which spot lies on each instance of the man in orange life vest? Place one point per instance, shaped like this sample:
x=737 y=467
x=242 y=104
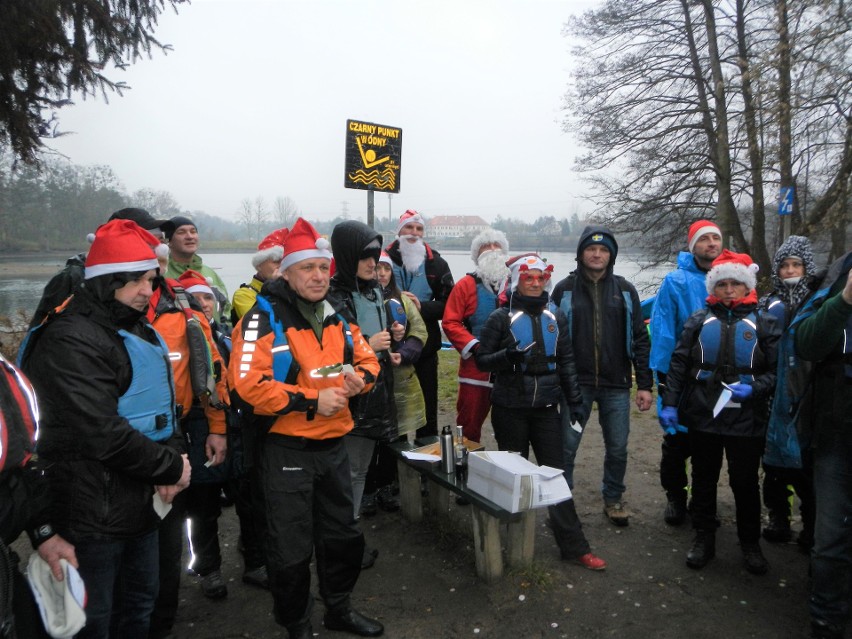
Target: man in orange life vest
x=297 y=363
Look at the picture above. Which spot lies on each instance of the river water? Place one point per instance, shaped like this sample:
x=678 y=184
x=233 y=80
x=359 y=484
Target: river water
x=20 y=291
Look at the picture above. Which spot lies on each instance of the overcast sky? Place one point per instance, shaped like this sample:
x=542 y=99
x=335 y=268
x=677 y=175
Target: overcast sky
x=254 y=98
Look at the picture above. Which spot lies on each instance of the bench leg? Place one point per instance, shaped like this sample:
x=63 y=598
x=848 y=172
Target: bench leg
x=486 y=545
x=410 y=499
x=439 y=500
x=520 y=541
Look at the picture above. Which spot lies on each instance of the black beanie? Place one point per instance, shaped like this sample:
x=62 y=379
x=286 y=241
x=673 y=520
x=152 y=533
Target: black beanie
x=173 y=224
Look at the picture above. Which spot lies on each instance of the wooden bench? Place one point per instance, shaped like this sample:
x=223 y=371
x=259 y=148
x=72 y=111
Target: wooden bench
x=487 y=517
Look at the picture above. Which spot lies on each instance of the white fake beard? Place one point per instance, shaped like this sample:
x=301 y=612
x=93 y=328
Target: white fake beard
x=792 y=281
x=491 y=268
x=413 y=254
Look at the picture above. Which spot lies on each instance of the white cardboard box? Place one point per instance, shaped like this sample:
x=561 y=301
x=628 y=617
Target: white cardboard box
x=515 y=483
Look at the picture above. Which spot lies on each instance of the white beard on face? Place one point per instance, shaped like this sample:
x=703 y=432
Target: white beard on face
x=491 y=268
x=413 y=254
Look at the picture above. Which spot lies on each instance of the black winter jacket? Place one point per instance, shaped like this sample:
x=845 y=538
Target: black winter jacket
x=598 y=329
x=695 y=399
x=374 y=414
x=102 y=471
x=538 y=387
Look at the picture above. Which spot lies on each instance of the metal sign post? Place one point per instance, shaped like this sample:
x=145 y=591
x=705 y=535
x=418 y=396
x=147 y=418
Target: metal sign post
x=785 y=208
x=373 y=160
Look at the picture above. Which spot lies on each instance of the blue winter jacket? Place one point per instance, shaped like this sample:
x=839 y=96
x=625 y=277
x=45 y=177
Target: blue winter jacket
x=682 y=292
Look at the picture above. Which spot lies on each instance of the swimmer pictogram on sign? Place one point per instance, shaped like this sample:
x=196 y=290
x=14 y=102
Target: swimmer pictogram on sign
x=373 y=156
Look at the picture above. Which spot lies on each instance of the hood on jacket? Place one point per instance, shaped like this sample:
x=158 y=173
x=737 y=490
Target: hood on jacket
x=593 y=234
x=793 y=246
x=686 y=262
x=350 y=242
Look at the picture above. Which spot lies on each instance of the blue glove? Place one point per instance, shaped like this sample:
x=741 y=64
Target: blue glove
x=741 y=392
x=668 y=420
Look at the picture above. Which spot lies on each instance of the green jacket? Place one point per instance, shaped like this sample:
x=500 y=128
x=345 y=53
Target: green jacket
x=177 y=269
x=819 y=339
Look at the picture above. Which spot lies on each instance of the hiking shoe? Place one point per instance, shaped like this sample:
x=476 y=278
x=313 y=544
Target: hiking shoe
x=589 y=561
x=386 y=500
x=369 y=507
x=617 y=513
x=213 y=586
x=675 y=513
x=703 y=549
x=257 y=577
x=753 y=558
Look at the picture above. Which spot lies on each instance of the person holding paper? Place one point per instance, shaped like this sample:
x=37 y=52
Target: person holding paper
x=727 y=347
x=297 y=362
x=109 y=429
x=526 y=345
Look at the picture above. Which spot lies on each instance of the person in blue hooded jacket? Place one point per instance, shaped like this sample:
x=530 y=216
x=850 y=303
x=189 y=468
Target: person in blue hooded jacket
x=682 y=292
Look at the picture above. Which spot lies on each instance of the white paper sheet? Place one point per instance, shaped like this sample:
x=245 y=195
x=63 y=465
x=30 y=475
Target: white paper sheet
x=420 y=456
x=160 y=507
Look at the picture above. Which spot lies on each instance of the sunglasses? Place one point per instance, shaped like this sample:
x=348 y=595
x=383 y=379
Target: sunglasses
x=534 y=277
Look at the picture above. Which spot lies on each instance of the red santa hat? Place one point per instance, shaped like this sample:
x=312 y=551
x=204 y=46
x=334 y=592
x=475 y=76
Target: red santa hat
x=527 y=262
x=271 y=247
x=195 y=282
x=122 y=246
x=304 y=243
x=409 y=217
x=699 y=228
x=385 y=258
x=732 y=266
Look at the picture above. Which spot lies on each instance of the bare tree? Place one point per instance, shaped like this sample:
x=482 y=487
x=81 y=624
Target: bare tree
x=285 y=212
x=684 y=111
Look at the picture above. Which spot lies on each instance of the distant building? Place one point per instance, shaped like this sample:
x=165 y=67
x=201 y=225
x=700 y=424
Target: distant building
x=455 y=226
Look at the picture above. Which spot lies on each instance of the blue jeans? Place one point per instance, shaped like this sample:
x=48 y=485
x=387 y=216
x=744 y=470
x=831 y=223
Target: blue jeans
x=614 y=417
x=122 y=578
x=831 y=559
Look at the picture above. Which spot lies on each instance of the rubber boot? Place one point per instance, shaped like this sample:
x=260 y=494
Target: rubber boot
x=703 y=549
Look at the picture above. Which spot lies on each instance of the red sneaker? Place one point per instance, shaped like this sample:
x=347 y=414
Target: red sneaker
x=590 y=561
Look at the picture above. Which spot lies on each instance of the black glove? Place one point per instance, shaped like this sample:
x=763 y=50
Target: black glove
x=578 y=415
x=515 y=356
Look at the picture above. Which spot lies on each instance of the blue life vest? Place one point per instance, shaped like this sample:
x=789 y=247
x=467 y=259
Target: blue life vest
x=566 y=307
x=148 y=403
x=283 y=368
x=416 y=283
x=370 y=315
x=486 y=302
x=397 y=311
x=523 y=330
x=710 y=341
x=777 y=309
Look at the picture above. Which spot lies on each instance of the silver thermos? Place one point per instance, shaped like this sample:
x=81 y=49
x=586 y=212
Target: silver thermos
x=448 y=462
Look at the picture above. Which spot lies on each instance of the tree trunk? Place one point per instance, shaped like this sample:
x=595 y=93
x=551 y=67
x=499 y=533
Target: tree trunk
x=759 y=252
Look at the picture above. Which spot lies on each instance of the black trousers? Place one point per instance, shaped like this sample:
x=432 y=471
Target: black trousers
x=743 y=455
x=427 y=374
x=673 y=478
x=776 y=492
x=307 y=494
x=517 y=429
x=171 y=535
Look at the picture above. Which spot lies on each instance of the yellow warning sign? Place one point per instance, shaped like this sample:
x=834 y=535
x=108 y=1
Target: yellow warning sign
x=373 y=156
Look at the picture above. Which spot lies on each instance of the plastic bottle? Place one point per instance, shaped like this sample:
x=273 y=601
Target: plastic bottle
x=447 y=456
